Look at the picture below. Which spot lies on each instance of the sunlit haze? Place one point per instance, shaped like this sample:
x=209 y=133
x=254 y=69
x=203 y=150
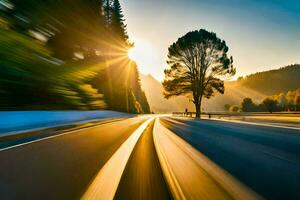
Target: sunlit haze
x=144 y=54
x=261 y=35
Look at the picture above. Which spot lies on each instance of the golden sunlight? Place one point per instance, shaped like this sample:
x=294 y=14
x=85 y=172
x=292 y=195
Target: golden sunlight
x=143 y=54
x=133 y=54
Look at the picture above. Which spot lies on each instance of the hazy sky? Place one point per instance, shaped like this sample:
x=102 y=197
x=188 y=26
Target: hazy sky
x=261 y=34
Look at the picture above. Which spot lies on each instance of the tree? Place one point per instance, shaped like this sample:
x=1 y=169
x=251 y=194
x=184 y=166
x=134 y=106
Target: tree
x=270 y=104
x=54 y=57
x=42 y=84
x=290 y=96
x=64 y=32
x=297 y=100
x=107 y=10
x=142 y=99
x=197 y=62
x=89 y=97
x=248 y=105
x=282 y=102
x=135 y=84
x=118 y=26
x=226 y=107
x=234 y=108
x=133 y=105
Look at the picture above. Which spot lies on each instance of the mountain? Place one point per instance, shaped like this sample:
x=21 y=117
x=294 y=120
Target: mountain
x=158 y=104
x=256 y=86
x=273 y=81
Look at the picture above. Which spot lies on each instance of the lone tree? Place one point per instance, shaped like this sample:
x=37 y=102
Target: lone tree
x=197 y=63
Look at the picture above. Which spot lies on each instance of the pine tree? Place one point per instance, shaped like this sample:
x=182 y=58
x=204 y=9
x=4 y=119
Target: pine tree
x=107 y=11
x=118 y=26
x=135 y=84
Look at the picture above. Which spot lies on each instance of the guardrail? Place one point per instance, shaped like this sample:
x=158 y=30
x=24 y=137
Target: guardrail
x=192 y=114
x=232 y=114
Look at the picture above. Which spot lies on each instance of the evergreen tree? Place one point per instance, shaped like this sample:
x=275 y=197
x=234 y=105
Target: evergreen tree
x=107 y=10
x=58 y=57
x=68 y=29
x=118 y=26
x=135 y=84
x=132 y=103
x=144 y=102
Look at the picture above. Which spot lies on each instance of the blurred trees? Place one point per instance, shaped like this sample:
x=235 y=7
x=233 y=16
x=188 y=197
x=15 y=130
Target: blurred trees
x=289 y=101
x=31 y=78
x=53 y=55
x=68 y=26
x=197 y=63
x=118 y=83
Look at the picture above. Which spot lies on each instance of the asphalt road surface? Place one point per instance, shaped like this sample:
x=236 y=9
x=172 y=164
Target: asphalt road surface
x=61 y=167
x=143 y=177
x=267 y=159
x=142 y=158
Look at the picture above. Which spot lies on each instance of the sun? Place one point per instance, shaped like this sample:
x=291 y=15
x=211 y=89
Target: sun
x=133 y=54
x=143 y=53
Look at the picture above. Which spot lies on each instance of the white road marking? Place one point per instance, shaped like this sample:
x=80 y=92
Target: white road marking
x=243 y=122
x=105 y=184
x=49 y=137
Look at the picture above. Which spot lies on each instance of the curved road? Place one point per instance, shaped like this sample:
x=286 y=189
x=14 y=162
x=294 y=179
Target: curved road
x=61 y=167
x=174 y=158
x=267 y=159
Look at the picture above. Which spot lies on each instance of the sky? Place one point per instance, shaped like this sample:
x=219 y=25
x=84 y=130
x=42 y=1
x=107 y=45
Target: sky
x=260 y=34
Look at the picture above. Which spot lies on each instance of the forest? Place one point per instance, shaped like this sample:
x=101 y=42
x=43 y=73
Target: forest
x=280 y=88
x=62 y=55
x=278 y=80
x=283 y=102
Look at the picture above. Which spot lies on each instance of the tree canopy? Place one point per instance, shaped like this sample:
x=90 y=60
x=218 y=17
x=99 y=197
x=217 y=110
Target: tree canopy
x=247 y=105
x=198 y=63
x=67 y=54
x=289 y=101
x=270 y=104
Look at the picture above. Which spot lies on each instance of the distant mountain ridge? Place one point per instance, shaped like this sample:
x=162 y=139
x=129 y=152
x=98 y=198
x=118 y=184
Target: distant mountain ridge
x=158 y=104
x=256 y=86
x=273 y=81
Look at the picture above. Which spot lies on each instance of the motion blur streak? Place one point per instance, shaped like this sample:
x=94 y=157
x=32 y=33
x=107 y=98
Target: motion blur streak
x=190 y=174
x=106 y=182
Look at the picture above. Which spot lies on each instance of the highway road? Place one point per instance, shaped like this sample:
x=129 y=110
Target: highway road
x=155 y=157
x=265 y=158
x=61 y=167
x=143 y=172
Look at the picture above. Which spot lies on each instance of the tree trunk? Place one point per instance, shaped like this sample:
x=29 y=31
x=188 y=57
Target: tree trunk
x=198 y=109
x=197 y=102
